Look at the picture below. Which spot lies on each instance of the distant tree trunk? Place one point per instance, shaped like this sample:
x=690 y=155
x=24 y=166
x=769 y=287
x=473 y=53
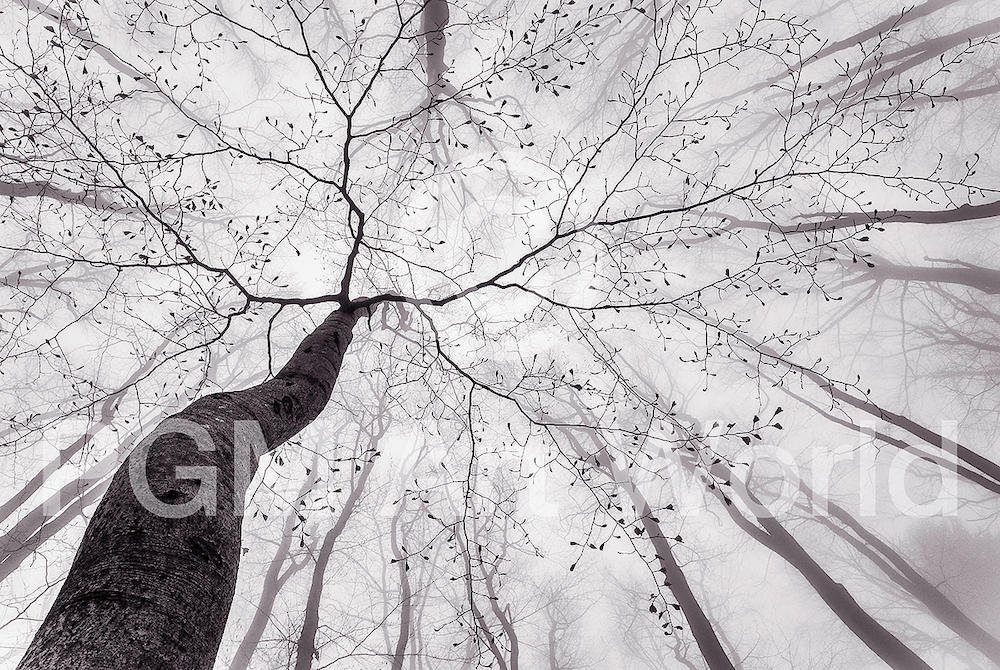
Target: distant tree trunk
x=13 y=554
x=503 y=615
x=480 y=626
x=553 y=642
x=274 y=579
x=901 y=572
x=109 y=408
x=149 y=591
x=702 y=628
x=434 y=20
x=405 y=592
x=306 y=647
x=775 y=537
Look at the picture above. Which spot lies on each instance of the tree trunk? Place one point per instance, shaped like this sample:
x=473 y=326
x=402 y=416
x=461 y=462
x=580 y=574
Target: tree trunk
x=405 y=593
x=503 y=615
x=12 y=554
x=274 y=579
x=306 y=647
x=147 y=589
x=702 y=628
x=775 y=537
x=902 y=573
x=109 y=408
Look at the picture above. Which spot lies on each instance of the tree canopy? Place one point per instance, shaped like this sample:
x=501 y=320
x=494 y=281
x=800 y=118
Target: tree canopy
x=676 y=337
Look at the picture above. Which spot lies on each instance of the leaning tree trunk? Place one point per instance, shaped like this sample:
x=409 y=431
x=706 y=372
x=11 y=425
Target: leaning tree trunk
x=702 y=628
x=150 y=588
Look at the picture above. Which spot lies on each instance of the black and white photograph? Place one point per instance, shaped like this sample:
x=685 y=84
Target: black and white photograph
x=499 y=335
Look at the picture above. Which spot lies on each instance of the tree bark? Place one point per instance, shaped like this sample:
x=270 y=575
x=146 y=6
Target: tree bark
x=152 y=591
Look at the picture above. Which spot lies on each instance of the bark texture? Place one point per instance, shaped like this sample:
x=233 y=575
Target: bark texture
x=147 y=591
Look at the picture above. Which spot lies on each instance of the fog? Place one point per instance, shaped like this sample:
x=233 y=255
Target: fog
x=440 y=334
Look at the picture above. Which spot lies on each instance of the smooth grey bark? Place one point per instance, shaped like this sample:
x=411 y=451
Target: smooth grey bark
x=823 y=221
x=146 y=591
x=40 y=524
x=701 y=626
x=957 y=272
x=932 y=438
x=553 y=640
x=893 y=22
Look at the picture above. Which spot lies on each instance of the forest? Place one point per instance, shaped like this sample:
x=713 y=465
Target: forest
x=521 y=335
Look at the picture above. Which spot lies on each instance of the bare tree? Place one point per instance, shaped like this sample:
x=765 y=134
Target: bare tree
x=535 y=234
